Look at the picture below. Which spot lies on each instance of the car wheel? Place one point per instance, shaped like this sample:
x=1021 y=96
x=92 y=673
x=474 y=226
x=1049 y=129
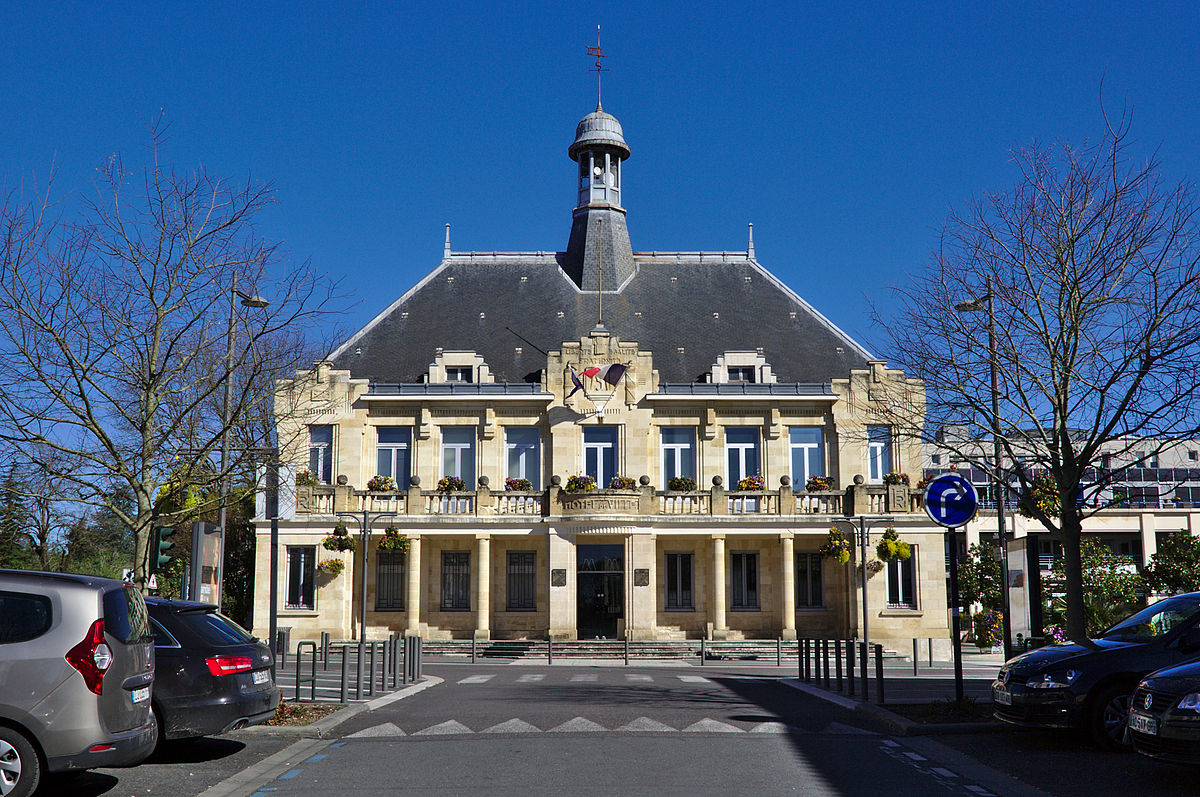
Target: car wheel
x=20 y=768
x=1109 y=723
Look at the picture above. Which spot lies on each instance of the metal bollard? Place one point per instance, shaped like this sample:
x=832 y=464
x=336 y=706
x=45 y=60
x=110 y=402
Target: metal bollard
x=281 y=649
x=914 y=656
x=778 y=651
x=862 y=660
x=703 y=654
x=344 y=685
x=324 y=650
x=879 y=674
x=472 y=648
x=550 y=650
x=930 y=641
x=837 y=658
x=420 y=658
x=850 y=667
x=800 y=659
x=825 y=660
x=804 y=660
x=626 y=650
x=358 y=685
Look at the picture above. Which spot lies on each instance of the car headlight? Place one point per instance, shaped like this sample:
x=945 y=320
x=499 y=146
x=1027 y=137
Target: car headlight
x=1190 y=702
x=1053 y=680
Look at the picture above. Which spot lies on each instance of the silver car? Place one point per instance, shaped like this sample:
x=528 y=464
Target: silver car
x=76 y=667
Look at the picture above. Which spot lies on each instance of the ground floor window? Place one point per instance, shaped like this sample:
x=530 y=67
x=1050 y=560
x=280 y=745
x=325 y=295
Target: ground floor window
x=809 y=580
x=902 y=592
x=456 y=581
x=522 y=581
x=301 y=572
x=745 y=580
x=679 y=582
x=389 y=580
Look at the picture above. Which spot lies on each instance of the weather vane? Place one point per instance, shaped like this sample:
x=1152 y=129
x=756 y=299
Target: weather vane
x=599 y=67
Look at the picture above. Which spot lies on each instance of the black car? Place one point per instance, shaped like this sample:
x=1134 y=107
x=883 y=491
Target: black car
x=212 y=675
x=1164 y=713
x=1077 y=686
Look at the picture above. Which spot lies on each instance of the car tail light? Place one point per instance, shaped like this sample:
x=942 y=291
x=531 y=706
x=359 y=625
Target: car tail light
x=228 y=665
x=92 y=657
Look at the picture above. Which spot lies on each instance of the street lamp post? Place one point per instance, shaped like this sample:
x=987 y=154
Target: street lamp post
x=997 y=451
x=257 y=302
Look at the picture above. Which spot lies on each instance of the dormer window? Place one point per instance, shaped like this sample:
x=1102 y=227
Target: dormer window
x=742 y=368
x=741 y=373
x=463 y=367
x=458 y=373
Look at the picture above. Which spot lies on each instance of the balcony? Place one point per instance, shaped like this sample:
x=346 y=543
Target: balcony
x=329 y=500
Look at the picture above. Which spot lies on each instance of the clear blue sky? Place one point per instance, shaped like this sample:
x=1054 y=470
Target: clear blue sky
x=844 y=132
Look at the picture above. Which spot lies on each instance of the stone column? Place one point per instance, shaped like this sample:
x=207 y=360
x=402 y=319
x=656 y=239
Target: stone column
x=1149 y=534
x=483 y=586
x=720 y=629
x=413 y=602
x=789 y=588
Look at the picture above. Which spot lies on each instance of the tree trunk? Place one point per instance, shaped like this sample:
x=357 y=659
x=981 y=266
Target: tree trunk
x=1072 y=530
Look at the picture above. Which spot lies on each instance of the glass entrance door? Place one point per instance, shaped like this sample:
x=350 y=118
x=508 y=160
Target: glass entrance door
x=601 y=597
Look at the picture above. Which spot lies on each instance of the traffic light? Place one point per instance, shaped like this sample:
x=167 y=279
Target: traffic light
x=159 y=545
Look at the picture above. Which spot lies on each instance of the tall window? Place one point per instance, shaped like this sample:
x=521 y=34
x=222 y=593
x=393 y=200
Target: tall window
x=522 y=444
x=809 y=590
x=741 y=454
x=320 y=452
x=745 y=580
x=522 y=581
x=679 y=582
x=678 y=452
x=389 y=580
x=600 y=453
x=458 y=453
x=456 y=581
x=393 y=455
x=808 y=454
x=901 y=582
x=879 y=452
x=301 y=571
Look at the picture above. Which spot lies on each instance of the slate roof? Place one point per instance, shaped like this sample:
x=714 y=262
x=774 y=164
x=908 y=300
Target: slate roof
x=703 y=303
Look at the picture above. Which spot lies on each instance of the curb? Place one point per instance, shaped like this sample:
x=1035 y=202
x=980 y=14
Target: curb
x=892 y=722
x=322 y=728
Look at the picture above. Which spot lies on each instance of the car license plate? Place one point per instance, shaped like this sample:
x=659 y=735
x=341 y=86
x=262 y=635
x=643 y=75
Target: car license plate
x=1001 y=695
x=1143 y=723
x=140 y=695
x=262 y=676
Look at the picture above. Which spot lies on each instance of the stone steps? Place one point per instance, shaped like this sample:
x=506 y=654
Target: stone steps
x=748 y=649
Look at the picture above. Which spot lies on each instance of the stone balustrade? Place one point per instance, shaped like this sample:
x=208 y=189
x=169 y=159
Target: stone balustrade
x=644 y=500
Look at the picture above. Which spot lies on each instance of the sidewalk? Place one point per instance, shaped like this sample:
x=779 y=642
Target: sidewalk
x=930 y=684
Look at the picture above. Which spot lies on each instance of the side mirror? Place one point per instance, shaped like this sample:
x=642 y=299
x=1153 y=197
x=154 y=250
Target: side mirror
x=1190 y=641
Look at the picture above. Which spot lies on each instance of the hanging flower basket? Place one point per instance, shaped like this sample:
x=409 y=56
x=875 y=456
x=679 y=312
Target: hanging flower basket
x=331 y=567
x=579 y=483
x=621 y=483
x=451 y=484
x=339 y=540
x=755 y=482
x=306 y=478
x=874 y=566
x=518 y=485
x=379 y=484
x=684 y=484
x=896 y=477
x=816 y=483
x=892 y=547
x=393 y=540
x=836 y=547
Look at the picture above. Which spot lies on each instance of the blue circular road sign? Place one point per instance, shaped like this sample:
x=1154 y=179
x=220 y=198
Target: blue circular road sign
x=950 y=500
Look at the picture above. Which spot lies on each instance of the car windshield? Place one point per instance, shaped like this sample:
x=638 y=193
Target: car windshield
x=1155 y=620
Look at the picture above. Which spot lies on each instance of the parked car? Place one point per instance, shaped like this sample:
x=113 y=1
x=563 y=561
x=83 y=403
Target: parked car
x=213 y=676
x=1077 y=686
x=76 y=668
x=1164 y=713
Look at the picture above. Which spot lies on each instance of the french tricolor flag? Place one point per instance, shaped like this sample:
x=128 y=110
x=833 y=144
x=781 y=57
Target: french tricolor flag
x=611 y=373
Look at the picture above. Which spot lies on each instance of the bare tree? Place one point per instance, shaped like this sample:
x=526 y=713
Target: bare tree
x=119 y=330
x=1093 y=266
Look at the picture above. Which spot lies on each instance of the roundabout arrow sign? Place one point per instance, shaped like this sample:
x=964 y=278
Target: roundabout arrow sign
x=951 y=500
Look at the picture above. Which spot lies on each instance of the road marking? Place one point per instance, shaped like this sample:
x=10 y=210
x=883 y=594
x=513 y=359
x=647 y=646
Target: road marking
x=291 y=773
x=629 y=676
x=513 y=726
x=914 y=756
x=477 y=679
x=772 y=727
x=386 y=729
x=945 y=773
x=645 y=725
x=694 y=679
x=530 y=678
x=585 y=677
x=979 y=790
x=889 y=743
x=447 y=728
x=578 y=725
x=314 y=759
x=251 y=778
x=708 y=725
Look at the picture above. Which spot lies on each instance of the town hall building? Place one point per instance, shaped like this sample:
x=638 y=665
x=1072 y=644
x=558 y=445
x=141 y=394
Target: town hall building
x=599 y=442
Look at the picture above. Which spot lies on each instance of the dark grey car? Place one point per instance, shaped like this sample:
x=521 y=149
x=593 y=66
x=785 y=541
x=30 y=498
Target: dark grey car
x=76 y=667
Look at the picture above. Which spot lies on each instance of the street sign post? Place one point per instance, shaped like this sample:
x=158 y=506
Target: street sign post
x=951 y=501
